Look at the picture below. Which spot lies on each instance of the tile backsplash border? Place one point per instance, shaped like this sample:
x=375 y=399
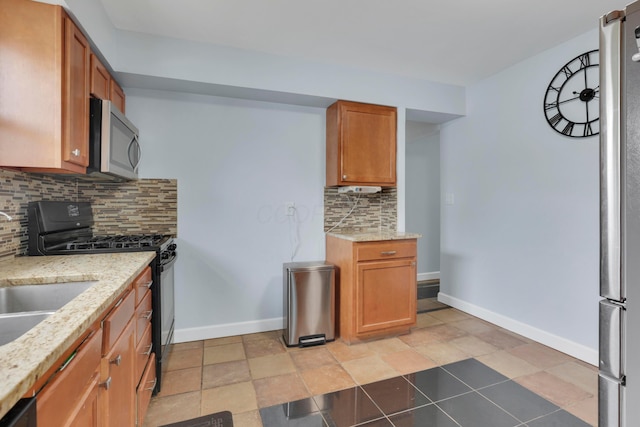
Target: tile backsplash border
x=372 y=212
x=130 y=207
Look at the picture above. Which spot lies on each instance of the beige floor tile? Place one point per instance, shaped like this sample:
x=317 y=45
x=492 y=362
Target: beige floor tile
x=500 y=339
x=390 y=345
x=420 y=337
x=586 y=410
x=223 y=353
x=269 y=366
x=222 y=341
x=445 y=333
x=237 y=398
x=311 y=358
x=247 y=419
x=369 y=369
x=576 y=373
x=191 y=358
x=558 y=391
x=181 y=381
x=474 y=326
x=220 y=374
x=408 y=361
x=281 y=389
x=343 y=352
x=191 y=345
x=442 y=352
x=325 y=379
x=450 y=315
x=540 y=355
x=473 y=345
x=172 y=409
x=426 y=319
x=262 y=336
x=265 y=347
x=508 y=364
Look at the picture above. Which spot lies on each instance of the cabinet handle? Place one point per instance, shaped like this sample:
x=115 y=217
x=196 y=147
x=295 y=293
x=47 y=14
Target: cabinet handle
x=148 y=352
x=154 y=384
x=147 y=315
x=388 y=253
x=106 y=384
x=146 y=285
x=117 y=361
x=76 y=152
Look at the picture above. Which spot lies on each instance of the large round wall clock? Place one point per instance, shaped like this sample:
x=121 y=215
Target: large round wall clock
x=571 y=104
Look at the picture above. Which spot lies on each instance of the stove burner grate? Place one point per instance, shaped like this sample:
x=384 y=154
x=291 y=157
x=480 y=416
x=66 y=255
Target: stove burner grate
x=117 y=242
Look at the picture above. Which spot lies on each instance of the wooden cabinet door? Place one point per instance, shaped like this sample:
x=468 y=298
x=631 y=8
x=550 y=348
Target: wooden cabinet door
x=87 y=412
x=361 y=144
x=117 y=96
x=386 y=293
x=75 y=101
x=118 y=399
x=70 y=394
x=99 y=79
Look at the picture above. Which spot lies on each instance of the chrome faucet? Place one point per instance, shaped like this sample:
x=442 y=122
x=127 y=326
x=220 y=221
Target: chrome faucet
x=7 y=216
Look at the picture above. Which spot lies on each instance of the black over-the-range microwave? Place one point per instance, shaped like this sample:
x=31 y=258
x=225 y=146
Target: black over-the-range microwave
x=114 y=150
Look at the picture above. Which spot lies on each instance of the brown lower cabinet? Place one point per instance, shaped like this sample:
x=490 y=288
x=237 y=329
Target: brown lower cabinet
x=377 y=287
x=110 y=376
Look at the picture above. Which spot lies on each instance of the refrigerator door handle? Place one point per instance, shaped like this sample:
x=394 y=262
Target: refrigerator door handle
x=610 y=401
x=611 y=343
x=611 y=284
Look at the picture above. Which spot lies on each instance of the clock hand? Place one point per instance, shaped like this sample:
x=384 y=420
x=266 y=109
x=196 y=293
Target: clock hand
x=570 y=99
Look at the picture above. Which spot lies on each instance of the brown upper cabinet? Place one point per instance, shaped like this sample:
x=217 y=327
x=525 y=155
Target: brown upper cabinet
x=361 y=144
x=44 y=84
x=104 y=86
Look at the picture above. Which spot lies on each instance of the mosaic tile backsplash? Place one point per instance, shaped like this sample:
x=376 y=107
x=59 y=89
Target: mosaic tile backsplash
x=131 y=207
x=372 y=212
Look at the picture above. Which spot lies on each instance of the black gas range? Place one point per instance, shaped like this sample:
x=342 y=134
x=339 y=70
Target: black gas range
x=66 y=228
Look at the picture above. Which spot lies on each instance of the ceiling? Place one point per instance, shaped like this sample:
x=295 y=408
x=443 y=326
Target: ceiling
x=449 y=41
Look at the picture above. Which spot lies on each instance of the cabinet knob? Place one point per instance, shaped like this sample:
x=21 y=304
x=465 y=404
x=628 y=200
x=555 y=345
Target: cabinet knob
x=106 y=384
x=76 y=152
x=117 y=361
x=344 y=176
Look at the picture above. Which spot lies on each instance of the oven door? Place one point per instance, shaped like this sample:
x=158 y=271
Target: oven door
x=167 y=315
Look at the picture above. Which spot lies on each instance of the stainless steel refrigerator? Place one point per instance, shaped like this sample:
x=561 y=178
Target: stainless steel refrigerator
x=619 y=376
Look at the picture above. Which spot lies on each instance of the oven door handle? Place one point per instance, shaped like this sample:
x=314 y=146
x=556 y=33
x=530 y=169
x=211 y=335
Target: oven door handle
x=169 y=263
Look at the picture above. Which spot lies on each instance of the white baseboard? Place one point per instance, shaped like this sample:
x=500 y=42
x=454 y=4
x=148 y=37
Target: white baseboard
x=429 y=276
x=564 y=345
x=227 y=330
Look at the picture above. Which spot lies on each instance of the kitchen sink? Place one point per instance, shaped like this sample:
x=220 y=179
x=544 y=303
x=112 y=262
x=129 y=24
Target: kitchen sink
x=15 y=325
x=45 y=297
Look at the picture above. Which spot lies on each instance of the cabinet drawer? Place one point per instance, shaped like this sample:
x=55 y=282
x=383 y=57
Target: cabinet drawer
x=142 y=283
x=385 y=250
x=117 y=320
x=145 y=389
x=143 y=316
x=143 y=350
x=54 y=406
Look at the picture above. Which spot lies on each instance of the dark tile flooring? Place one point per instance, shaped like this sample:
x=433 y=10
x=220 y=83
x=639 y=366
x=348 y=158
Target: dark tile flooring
x=461 y=394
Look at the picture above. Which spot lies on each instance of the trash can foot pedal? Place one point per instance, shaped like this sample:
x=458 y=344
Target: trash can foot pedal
x=312 y=340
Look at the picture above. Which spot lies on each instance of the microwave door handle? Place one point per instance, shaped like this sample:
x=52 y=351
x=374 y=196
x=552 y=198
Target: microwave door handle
x=131 y=143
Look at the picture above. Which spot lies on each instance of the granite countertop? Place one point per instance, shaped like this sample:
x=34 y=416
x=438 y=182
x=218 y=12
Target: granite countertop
x=373 y=236
x=27 y=358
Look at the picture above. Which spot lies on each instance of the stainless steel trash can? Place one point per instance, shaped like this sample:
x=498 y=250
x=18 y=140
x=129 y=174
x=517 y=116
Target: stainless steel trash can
x=309 y=303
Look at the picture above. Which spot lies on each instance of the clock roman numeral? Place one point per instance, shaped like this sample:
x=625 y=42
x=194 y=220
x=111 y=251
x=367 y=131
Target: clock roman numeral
x=568 y=129
x=588 y=131
x=555 y=120
x=567 y=71
x=585 y=61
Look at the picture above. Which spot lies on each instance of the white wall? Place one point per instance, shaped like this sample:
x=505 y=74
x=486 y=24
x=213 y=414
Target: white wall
x=520 y=244
x=237 y=163
x=422 y=176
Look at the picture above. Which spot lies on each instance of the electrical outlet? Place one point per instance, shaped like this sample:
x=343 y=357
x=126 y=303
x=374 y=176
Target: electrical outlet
x=289 y=208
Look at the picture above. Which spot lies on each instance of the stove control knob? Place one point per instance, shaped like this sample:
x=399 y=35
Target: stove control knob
x=172 y=247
